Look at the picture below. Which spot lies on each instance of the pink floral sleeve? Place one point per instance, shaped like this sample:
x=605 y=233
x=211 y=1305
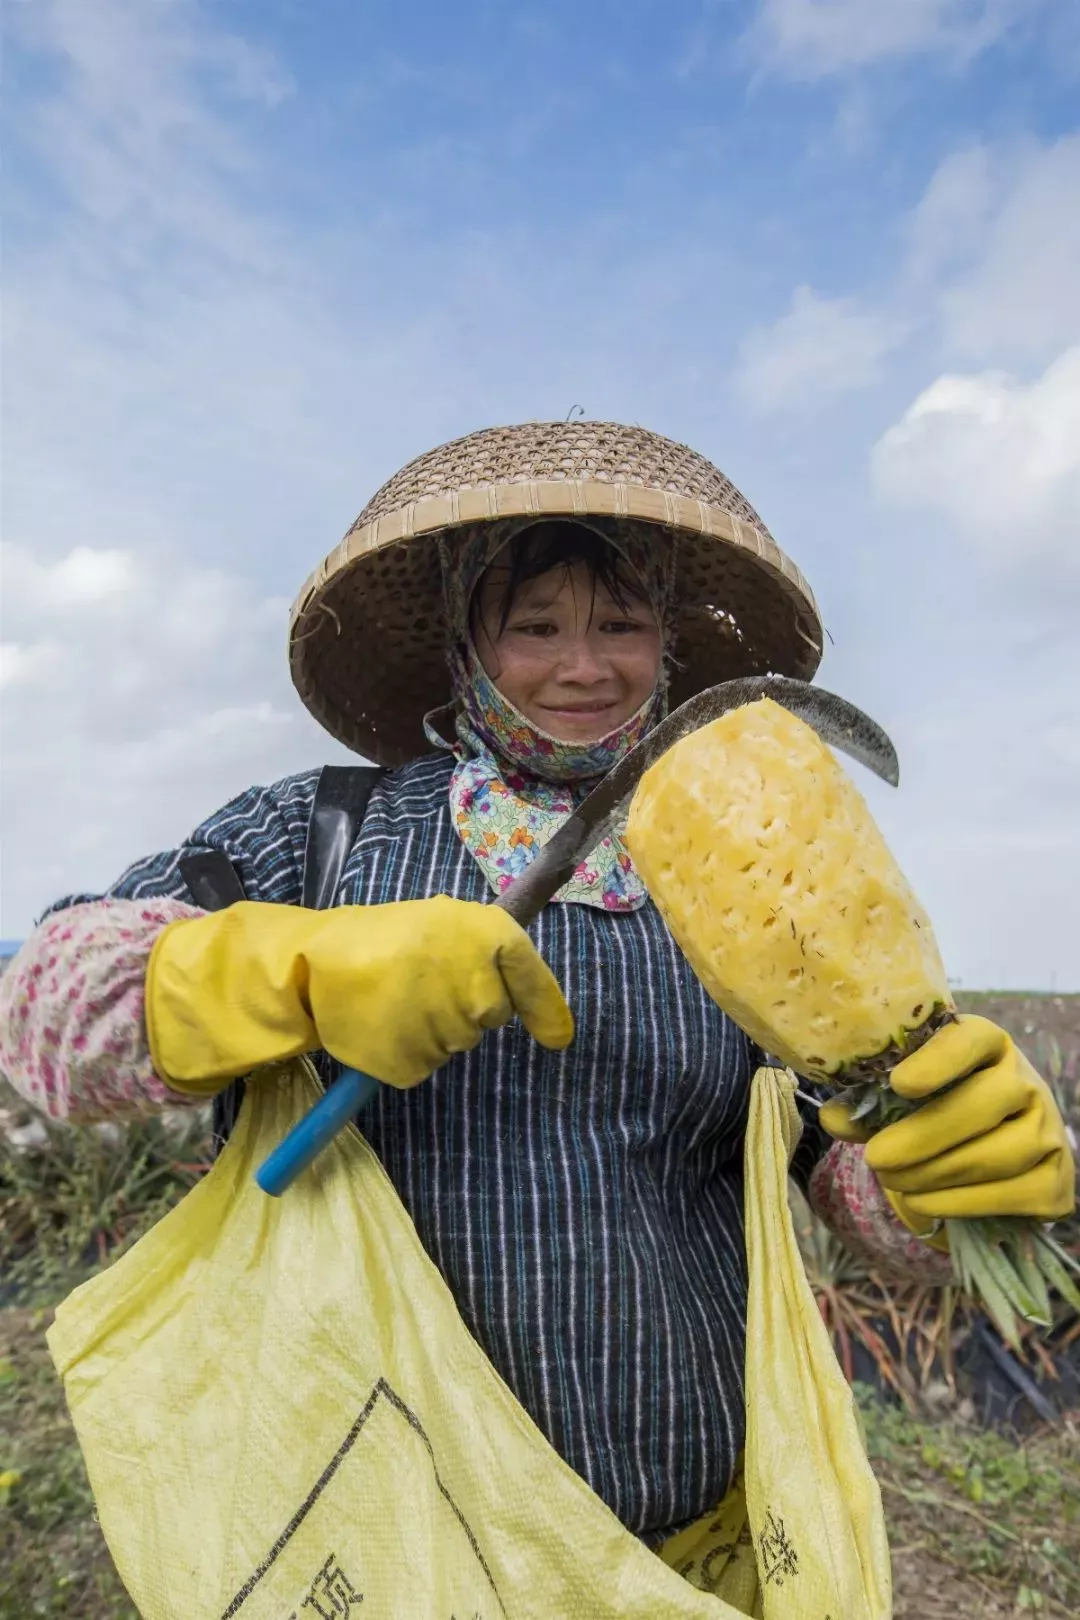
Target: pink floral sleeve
x=848 y=1197
x=73 y=1037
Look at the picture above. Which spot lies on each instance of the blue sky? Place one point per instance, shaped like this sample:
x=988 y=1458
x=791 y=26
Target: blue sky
x=258 y=255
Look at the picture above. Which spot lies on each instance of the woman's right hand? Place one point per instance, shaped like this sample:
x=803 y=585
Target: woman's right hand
x=392 y=990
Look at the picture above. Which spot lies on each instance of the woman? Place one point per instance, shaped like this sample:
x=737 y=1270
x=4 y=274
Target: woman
x=564 y=1110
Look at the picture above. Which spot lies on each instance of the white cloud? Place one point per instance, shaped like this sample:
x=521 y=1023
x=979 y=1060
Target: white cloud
x=821 y=349
x=145 y=88
x=999 y=457
x=994 y=448
x=131 y=712
x=993 y=253
x=810 y=39
x=948 y=226
x=82 y=578
x=22 y=666
x=1017 y=300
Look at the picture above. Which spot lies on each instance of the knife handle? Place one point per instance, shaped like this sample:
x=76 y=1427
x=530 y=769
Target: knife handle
x=350 y=1093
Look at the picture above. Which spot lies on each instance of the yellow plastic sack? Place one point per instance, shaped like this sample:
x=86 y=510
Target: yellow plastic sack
x=284 y=1418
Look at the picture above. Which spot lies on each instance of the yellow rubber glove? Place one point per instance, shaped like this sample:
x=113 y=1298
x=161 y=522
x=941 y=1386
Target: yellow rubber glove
x=392 y=990
x=994 y=1144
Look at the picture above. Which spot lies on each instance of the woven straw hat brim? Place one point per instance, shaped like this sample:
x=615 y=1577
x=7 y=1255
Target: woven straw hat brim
x=367 y=636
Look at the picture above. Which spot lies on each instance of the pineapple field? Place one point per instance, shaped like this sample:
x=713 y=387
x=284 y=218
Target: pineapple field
x=979 y=1467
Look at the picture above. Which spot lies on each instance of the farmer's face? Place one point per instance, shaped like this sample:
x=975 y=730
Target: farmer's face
x=570 y=658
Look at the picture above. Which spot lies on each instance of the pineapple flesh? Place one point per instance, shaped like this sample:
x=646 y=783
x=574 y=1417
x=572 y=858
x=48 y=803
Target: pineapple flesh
x=768 y=869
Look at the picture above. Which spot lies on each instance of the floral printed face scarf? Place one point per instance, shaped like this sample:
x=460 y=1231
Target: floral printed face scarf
x=514 y=784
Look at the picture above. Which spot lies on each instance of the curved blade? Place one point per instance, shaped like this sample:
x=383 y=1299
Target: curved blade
x=836 y=721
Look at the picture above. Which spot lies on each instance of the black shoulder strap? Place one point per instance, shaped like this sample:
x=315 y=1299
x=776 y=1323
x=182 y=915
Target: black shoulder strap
x=214 y=884
x=212 y=879
x=337 y=814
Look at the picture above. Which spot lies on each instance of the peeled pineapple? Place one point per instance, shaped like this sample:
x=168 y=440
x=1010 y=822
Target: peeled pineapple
x=769 y=870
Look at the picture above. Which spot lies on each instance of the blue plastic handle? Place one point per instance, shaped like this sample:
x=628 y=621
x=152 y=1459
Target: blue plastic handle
x=350 y=1093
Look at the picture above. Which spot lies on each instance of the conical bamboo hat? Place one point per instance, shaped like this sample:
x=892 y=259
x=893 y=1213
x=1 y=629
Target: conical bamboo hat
x=367 y=635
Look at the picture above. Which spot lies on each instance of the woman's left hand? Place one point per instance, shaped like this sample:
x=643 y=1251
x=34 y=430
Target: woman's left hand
x=995 y=1144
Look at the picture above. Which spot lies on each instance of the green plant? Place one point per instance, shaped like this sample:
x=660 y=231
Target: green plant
x=79 y=1195
x=53 y=1561
x=1007 y=1514
x=71 y=1200
x=926 y=1325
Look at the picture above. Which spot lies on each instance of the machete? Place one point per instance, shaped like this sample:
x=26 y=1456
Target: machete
x=836 y=721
